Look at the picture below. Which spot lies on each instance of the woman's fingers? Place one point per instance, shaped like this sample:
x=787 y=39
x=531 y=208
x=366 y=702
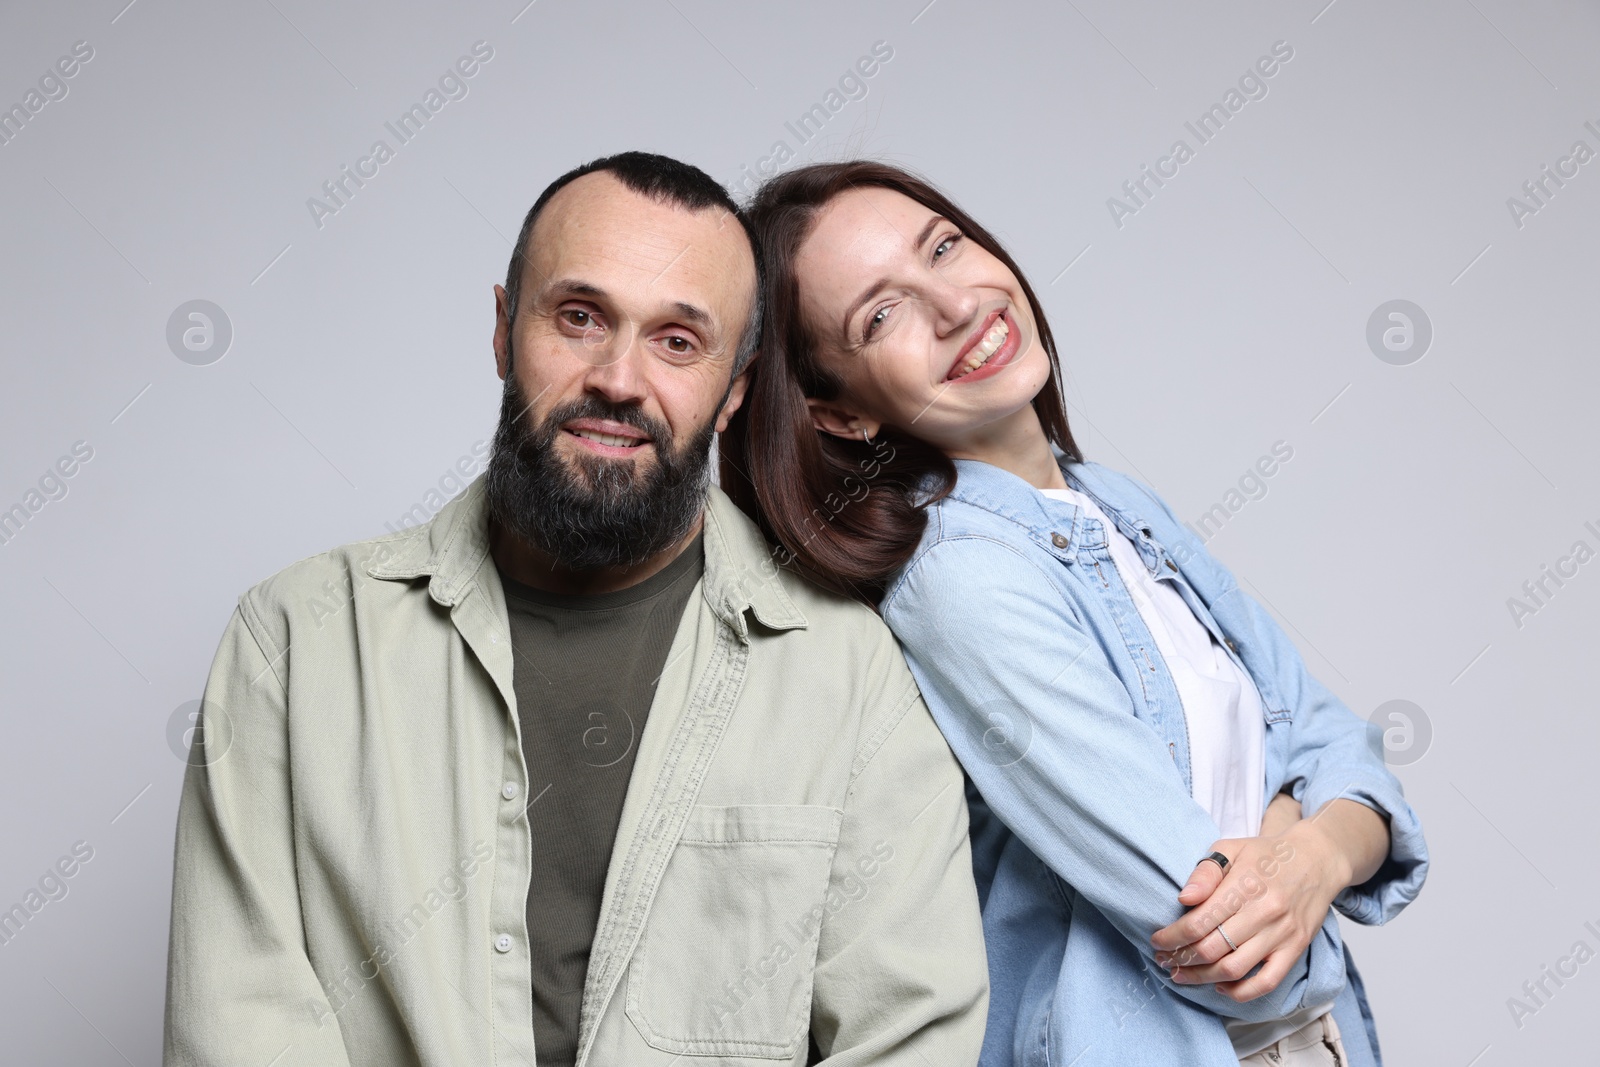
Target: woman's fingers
x=1222 y=901
x=1241 y=926
x=1261 y=983
x=1208 y=874
x=1232 y=967
x=1270 y=902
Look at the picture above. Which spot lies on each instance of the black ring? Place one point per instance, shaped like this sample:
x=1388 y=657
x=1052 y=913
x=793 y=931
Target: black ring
x=1219 y=859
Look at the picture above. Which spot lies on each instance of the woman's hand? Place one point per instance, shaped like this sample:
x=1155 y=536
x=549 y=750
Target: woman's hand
x=1273 y=897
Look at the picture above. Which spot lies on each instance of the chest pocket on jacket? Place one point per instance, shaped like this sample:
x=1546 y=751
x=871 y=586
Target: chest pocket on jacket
x=725 y=964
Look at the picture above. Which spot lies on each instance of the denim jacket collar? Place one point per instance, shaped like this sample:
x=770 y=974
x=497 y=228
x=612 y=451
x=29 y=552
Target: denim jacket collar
x=1005 y=495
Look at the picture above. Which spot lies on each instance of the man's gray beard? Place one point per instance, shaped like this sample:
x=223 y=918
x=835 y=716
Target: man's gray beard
x=593 y=512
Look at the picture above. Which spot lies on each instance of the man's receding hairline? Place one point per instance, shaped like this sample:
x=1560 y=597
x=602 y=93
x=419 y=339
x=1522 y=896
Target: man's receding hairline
x=661 y=197
x=753 y=295
x=661 y=179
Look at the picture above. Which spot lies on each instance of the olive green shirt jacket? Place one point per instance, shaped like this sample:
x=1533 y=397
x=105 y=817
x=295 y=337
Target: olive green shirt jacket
x=353 y=849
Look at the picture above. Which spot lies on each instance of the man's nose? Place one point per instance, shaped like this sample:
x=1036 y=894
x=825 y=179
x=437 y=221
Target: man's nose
x=616 y=367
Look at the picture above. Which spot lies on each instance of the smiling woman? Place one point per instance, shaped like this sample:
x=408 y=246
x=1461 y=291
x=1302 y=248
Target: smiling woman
x=1160 y=786
x=860 y=545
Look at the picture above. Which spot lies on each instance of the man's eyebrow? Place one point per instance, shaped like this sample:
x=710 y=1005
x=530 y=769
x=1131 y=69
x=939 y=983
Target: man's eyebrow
x=693 y=314
x=566 y=287
x=873 y=289
x=696 y=316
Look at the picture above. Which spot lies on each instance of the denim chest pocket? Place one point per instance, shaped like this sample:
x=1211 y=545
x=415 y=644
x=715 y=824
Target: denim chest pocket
x=724 y=966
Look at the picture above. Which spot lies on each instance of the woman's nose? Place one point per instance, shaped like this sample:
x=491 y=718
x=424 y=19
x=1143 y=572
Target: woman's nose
x=954 y=306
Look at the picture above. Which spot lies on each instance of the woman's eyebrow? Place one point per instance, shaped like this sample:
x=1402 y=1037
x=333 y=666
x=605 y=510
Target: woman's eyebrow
x=927 y=230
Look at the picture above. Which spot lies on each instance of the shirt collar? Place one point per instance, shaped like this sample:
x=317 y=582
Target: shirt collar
x=994 y=489
x=740 y=572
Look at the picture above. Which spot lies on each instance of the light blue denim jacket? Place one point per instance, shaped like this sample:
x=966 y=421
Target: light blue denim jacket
x=1038 y=668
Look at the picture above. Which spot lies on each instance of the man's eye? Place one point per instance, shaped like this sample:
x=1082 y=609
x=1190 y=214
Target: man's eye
x=679 y=346
x=578 y=317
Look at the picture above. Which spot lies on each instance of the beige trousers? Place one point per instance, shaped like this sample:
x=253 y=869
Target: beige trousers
x=1315 y=1044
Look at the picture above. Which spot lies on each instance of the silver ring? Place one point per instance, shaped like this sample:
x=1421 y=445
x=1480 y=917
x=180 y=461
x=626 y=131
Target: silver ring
x=1231 y=946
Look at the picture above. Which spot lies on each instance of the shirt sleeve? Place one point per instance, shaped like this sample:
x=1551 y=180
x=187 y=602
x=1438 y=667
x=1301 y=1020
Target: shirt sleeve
x=1334 y=754
x=901 y=974
x=1046 y=730
x=240 y=987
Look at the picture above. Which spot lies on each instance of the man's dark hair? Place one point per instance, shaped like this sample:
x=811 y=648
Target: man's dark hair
x=663 y=179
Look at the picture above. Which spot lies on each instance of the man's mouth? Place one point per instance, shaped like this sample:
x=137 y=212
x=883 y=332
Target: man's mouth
x=607 y=437
x=989 y=348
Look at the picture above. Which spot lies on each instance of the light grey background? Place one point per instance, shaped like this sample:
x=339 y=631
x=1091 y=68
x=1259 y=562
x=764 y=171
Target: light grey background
x=1229 y=313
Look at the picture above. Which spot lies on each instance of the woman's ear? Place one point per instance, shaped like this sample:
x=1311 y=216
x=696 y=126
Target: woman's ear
x=839 y=422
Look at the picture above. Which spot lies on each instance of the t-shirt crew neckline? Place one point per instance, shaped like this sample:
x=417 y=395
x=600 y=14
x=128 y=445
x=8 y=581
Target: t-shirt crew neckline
x=684 y=564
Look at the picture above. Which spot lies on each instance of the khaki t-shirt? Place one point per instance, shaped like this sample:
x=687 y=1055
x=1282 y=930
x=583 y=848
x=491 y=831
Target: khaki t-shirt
x=585 y=671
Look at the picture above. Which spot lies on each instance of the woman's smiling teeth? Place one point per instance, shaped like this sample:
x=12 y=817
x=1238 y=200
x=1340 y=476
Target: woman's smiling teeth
x=984 y=349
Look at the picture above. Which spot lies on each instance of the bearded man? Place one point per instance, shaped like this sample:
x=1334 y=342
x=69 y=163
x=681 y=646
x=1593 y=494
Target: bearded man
x=577 y=775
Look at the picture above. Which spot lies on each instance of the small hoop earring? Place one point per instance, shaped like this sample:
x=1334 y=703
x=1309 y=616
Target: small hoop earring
x=864 y=436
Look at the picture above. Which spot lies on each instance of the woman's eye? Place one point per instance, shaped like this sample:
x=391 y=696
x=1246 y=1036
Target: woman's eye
x=874 y=322
x=945 y=245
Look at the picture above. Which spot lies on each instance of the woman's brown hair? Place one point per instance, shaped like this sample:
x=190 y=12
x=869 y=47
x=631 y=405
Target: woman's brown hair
x=851 y=513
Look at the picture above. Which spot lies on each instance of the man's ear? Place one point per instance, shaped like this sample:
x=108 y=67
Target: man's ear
x=502 y=331
x=828 y=418
x=736 y=391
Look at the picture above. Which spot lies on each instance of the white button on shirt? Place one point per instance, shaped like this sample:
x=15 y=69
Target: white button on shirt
x=1227 y=731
